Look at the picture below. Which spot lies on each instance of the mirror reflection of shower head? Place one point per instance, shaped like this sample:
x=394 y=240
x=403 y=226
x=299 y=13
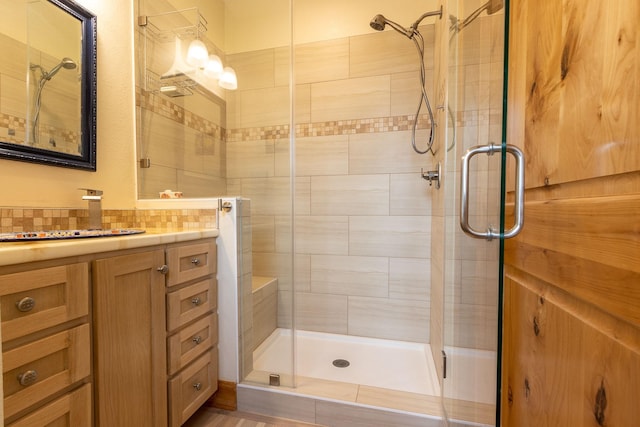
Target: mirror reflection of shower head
x=66 y=63
x=491 y=7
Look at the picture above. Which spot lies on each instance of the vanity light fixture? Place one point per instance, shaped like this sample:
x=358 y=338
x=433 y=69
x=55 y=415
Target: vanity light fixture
x=197 y=55
x=213 y=68
x=197 y=66
x=228 y=79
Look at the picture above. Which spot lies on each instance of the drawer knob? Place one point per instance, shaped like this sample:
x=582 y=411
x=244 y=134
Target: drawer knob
x=26 y=304
x=196 y=301
x=197 y=339
x=27 y=378
x=195 y=261
x=197 y=386
x=163 y=269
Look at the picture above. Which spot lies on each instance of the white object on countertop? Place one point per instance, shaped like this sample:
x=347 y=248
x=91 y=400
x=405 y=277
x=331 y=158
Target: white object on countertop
x=168 y=194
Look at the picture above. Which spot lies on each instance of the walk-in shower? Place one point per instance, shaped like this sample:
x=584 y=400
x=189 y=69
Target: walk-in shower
x=45 y=76
x=368 y=259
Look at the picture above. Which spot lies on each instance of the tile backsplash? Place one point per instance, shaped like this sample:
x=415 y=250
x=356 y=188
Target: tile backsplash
x=14 y=219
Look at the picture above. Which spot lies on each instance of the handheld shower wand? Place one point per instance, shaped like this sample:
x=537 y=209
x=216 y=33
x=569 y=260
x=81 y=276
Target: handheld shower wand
x=378 y=23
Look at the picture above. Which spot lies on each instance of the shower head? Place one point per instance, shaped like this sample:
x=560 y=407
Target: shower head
x=66 y=63
x=493 y=6
x=379 y=22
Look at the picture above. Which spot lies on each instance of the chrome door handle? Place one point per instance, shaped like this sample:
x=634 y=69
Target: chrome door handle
x=519 y=197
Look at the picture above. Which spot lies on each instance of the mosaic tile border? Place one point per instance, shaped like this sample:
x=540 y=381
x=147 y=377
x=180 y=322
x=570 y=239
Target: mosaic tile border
x=36 y=219
x=13 y=129
x=330 y=128
x=164 y=107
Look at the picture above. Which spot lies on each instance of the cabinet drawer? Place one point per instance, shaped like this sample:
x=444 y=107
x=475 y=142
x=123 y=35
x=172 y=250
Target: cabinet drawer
x=72 y=409
x=39 y=369
x=190 y=262
x=191 y=302
x=38 y=299
x=192 y=387
x=191 y=341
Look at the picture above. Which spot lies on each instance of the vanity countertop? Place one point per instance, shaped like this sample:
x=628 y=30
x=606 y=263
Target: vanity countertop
x=23 y=252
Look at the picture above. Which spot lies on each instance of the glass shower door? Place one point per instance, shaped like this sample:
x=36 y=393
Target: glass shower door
x=475 y=165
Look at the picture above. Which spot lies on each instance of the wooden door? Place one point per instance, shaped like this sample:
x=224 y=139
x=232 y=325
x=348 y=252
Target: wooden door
x=129 y=340
x=572 y=288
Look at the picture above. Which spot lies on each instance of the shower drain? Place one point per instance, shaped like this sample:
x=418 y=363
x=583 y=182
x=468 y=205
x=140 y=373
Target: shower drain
x=341 y=363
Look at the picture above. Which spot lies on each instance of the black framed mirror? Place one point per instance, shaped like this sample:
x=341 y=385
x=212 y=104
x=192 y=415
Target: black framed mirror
x=49 y=82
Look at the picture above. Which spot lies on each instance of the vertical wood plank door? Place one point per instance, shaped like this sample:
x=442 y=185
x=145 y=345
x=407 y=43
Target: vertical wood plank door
x=129 y=340
x=571 y=354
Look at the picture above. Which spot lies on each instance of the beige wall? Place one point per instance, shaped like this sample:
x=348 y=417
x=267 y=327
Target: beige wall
x=33 y=185
x=318 y=21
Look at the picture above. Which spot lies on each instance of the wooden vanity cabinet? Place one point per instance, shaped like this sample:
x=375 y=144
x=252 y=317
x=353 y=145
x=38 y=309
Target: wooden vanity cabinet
x=149 y=335
x=46 y=346
x=134 y=346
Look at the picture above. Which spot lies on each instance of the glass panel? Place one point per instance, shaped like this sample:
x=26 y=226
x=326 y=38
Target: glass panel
x=472 y=265
x=363 y=212
x=258 y=168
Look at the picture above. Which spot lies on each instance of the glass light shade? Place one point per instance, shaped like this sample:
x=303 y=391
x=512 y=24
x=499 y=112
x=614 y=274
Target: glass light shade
x=197 y=54
x=228 y=79
x=213 y=67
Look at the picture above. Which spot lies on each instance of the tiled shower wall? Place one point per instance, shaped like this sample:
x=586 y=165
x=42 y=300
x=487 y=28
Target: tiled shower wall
x=362 y=211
